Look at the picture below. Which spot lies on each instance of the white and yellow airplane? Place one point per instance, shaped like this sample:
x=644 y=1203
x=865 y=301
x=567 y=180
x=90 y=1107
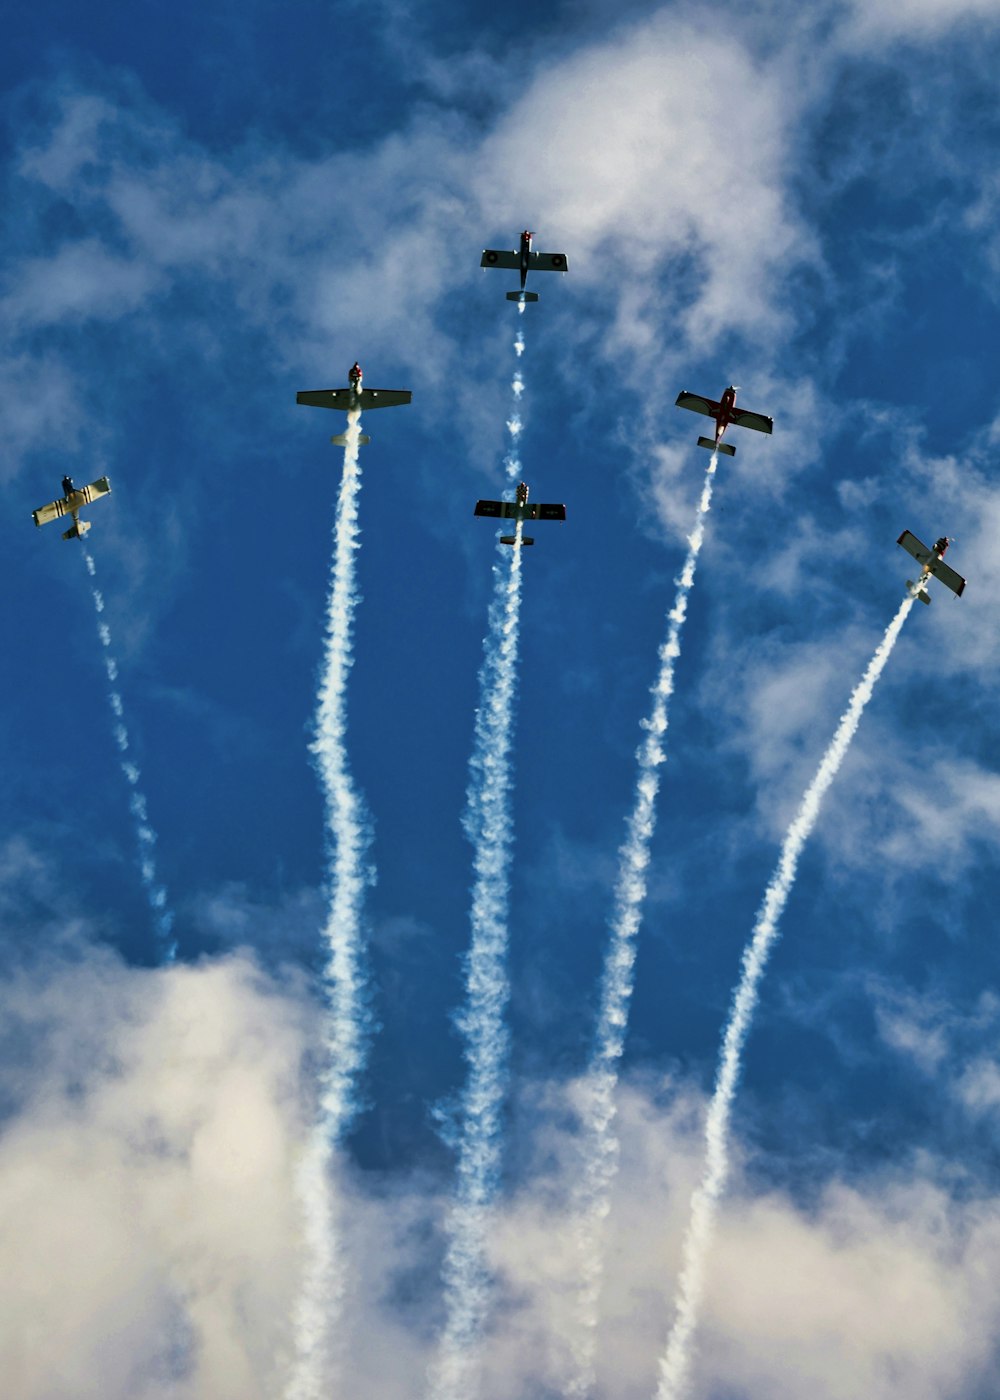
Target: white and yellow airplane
x=519 y=510
x=71 y=503
x=933 y=563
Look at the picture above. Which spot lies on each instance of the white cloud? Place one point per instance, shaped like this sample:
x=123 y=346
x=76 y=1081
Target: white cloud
x=921 y=20
x=628 y=154
x=82 y=280
x=149 y=1225
x=631 y=153
x=913 y=1026
x=876 y=1292
x=880 y=1284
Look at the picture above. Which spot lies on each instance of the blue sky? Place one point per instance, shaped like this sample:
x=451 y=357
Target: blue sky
x=208 y=209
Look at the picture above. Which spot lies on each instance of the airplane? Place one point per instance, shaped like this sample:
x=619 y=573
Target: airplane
x=933 y=563
x=354 y=397
x=73 y=500
x=519 y=510
x=524 y=261
x=724 y=412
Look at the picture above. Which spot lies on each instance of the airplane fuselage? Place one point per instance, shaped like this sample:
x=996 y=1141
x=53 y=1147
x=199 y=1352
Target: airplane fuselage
x=526 y=238
x=354 y=378
x=518 y=509
x=725 y=414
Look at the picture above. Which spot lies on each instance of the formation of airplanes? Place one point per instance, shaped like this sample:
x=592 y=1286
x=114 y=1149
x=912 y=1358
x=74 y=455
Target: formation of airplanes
x=355 y=397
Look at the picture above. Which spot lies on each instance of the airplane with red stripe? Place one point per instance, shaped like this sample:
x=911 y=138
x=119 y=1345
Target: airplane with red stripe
x=724 y=412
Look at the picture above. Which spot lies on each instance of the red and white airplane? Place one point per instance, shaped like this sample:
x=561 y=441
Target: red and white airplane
x=724 y=412
x=525 y=261
x=519 y=509
x=353 y=398
x=933 y=563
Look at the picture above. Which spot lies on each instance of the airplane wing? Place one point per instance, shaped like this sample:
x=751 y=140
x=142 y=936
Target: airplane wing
x=508 y=510
x=494 y=257
x=948 y=576
x=913 y=546
x=697 y=404
x=503 y=510
x=546 y=262
x=66 y=504
x=743 y=418
x=342 y=398
x=97 y=489
x=383 y=398
x=52 y=511
x=324 y=398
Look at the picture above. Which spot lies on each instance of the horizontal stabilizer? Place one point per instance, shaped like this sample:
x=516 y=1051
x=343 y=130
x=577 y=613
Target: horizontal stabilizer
x=77 y=532
x=522 y=296
x=511 y=539
x=725 y=447
x=341 y=440
x=922 y=595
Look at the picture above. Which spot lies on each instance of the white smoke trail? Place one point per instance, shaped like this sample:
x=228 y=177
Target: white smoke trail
x=675 y=1361
x=163 y=919
x=344 y=1044
x=512 y=461
x=487 y=823
x=599 y=1142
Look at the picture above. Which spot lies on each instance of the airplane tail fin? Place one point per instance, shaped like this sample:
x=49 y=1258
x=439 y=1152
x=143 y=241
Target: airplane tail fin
x=341 y=440
x=920 y=593
x=77 y=532
x=510 y=539
x=724 y=447
x=522 y=296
